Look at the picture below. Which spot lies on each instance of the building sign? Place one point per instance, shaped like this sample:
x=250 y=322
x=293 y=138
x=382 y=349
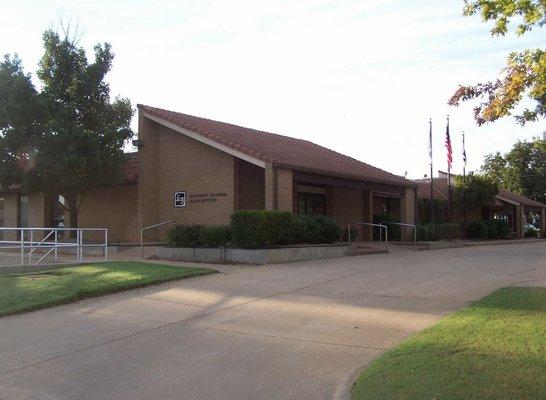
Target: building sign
x=206 y=197
x=179 y=199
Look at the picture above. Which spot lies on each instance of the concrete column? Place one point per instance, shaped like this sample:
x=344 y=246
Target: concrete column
x=520 y=215
x=269 y=187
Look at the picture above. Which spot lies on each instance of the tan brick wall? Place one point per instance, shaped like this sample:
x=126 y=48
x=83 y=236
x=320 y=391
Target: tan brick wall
x=347 y=205
x=148 y=160
x=269 y=187
x=10 y=215
x=250 y=186
x=169 y=162
x=284 y=190
x=113 y=208
x=408 y=213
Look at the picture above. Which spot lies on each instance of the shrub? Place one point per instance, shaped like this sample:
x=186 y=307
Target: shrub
x=449 y=231
x=259 y=228
x=215 y=235
x=478 y=230
x=531 y=232
x=491 y=229
x=184 y=235
x=385 y=218
x=330 y=231
x=503 y=229
x=428 y=232
x=345 y=234
x=306 y=229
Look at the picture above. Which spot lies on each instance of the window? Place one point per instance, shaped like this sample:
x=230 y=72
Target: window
x=311 y=203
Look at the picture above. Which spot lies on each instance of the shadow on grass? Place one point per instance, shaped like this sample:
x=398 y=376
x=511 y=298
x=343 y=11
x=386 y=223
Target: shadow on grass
x=36 y=290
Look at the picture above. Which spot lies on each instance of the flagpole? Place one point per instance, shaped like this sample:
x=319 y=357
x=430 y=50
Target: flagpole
x=464 y=190
x=448 y=182
x=431 y=173
x=464 y=159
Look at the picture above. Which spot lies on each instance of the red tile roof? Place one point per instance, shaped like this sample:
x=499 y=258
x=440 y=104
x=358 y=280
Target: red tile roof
x=423 y=190
x=282 y=151
x=130 y=168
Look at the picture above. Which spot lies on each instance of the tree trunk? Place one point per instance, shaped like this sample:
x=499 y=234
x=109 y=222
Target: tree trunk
x=72 y=202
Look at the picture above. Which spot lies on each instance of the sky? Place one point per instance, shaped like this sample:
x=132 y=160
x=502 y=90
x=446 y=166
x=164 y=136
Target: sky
x=361 y=77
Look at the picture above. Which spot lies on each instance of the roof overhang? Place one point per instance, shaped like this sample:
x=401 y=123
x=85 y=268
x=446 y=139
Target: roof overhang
x=506 y=200
x=205 y=140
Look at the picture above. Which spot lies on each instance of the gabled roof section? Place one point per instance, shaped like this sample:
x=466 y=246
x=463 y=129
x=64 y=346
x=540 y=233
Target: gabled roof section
x=279 y=150
x=519 y=199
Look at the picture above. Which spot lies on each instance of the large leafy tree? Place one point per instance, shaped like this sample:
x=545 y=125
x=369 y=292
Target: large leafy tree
x=522 y=170
x=474 y=191
x=525 y=73
x=67 y=137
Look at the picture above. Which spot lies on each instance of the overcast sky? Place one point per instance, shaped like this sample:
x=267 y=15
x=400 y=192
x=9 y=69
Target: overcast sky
x=359 y=76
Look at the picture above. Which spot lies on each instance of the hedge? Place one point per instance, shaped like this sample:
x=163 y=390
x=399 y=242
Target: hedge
x=394 y=230
x=449 y=231
x=428 y=232
x=185 y=235
x=262 y=228
x=490 y=229
x=433 y=232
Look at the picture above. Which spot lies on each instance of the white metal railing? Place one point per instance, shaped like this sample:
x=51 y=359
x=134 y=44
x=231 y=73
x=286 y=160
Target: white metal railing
x=380 y=226
x=54 y=239
x=408 y=225
x=171 y=221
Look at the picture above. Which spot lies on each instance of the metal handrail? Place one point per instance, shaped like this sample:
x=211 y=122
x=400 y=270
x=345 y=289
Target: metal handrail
x=410 y=225
x=41 y=241
x=31 y=244
x=171 y=221
x=381 y=226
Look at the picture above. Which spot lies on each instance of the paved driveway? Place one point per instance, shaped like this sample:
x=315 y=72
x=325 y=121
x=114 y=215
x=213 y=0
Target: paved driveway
x=290 y=331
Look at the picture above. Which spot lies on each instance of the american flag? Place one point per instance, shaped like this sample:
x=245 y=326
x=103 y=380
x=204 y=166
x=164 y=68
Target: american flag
x=448 y=147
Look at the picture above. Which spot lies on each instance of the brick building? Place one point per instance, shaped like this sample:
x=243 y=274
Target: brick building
x=515 y=209
x=199 y=171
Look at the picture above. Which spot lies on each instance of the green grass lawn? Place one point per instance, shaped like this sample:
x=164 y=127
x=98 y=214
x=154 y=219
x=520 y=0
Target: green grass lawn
x=31 y=291
x=493 y=349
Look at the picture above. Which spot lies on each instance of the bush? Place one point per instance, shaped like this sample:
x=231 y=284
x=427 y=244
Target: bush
x=478 y=230
x=306 y=229
x=449 y=231
x=345 y=234
x=531 y=232
x=214 y=236
x=385 y=218
x=503 y=229
x=259 y=228
x=330 y=231
x=185 y=235
x=428 y=232
x=491 y=229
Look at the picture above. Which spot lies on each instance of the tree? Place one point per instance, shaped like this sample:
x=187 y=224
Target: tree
x=522 y=170
x=474 y=191
x=68 y=137
x=525 y=71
